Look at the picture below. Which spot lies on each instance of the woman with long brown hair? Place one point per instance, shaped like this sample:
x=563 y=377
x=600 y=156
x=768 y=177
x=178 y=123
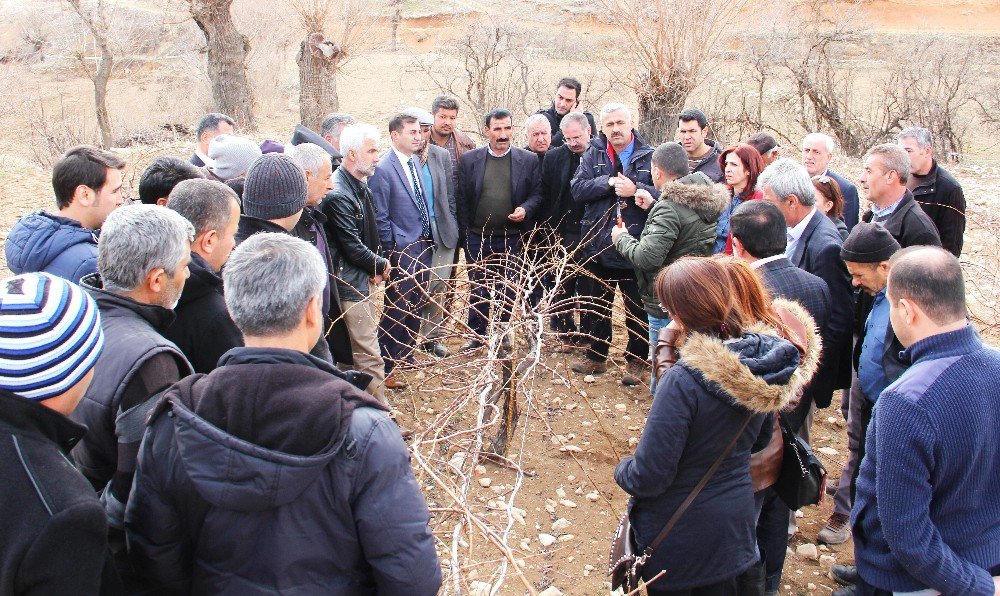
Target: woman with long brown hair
x=741 y=165
x=730 y=374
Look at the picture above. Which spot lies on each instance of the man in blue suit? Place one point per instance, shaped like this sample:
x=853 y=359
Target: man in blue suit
x=405 y=233
x=814 y=245
x=817 y=151
x=499 y=190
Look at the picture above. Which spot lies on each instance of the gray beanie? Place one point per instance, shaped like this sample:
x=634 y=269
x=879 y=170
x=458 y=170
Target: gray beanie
x=869 y=243
x=231 y=155
x=275 y=187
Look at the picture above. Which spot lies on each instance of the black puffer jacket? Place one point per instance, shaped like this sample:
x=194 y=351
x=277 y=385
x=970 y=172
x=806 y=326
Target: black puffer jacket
x=274 y=474
x=699 y=405
x=590 y=188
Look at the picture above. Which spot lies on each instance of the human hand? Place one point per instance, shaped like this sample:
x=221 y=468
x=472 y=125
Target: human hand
x=617 y=232
x=996 y=585
x=518 y=214
x=624 y=187
x=643 y=199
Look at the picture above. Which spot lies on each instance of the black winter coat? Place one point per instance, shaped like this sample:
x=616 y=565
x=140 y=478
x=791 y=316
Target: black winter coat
x=699 y=405
x=555 y=119
x=942 y=199
x=590 y=189
x=274 y=474
x=709 y=164
x=908 y=224
x=203 y=329
x=350 y=225
x=558 y=208
x=53 y=532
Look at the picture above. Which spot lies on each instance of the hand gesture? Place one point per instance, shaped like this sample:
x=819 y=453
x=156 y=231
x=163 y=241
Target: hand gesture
x=643 y=199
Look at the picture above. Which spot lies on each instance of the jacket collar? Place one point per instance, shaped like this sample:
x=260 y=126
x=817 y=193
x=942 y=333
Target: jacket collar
x=759 y=371
x=31 y=416
x=111 y=304
x=243 y=355
x=203 y=280
x=641 y=146
x=346 y=179
x=692 y=191
x=944 y=345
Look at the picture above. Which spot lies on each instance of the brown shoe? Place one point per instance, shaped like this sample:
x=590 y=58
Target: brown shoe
x=590 y=367
x=634 y=371
x=836 y=531
x=391 y=382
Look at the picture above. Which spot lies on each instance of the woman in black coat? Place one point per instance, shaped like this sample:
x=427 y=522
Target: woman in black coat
x=728 y=370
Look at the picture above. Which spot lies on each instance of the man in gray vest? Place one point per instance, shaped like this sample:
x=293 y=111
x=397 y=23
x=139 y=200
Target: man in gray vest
x=142 y=263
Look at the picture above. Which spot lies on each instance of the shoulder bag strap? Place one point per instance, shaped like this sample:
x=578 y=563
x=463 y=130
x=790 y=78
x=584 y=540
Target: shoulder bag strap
x=696 y=490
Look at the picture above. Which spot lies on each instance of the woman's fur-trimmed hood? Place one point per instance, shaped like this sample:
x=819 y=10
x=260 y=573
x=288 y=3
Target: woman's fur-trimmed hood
x=697 y=192
x=760 y=371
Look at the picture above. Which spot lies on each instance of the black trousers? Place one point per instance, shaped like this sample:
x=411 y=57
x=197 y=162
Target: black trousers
x=726 y=587
x=601 y=296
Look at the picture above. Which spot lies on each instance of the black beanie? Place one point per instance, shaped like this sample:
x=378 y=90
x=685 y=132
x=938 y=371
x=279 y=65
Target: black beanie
x=869 y=243
x=275 y=187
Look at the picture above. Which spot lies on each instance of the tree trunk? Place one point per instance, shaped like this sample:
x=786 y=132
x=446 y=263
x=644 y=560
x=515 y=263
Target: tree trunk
x=97 y=24
x=101 y=78
x=227 y=60
x=659 y=105
x=397 y=16
x=318 y=60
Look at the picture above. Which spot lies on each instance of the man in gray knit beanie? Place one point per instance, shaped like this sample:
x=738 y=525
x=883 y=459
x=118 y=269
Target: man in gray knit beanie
x=231 y=156
x=274 y=193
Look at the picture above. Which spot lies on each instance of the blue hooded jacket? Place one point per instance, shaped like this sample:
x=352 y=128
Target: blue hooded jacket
x=58 y=245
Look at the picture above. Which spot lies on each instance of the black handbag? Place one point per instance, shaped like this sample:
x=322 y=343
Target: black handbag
x=625 y=564
x=803 y=478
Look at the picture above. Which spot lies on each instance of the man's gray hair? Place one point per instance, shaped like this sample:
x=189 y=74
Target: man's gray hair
x=137 y=239
x=786 y=177
x=207 y=204
x=354 y=136
x=614 y=107
x=308 y=156
x=672 y=160
x=919 y=134
x=537 y=119
x=572 y=117
x=826 y=139
x=268 y=282
x=893 y=158
x=334 y=122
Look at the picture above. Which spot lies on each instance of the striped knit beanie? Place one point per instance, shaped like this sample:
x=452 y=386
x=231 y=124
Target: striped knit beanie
x=50 y=335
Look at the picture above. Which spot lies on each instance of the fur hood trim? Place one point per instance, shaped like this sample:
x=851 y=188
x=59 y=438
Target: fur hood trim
x=719 y=365
x=708 y=199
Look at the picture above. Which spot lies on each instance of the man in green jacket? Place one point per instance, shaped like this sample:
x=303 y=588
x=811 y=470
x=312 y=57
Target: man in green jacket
x=680 y=223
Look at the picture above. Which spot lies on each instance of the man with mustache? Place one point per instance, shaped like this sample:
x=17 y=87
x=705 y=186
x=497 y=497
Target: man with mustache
x=499 y=189
x=615 y=166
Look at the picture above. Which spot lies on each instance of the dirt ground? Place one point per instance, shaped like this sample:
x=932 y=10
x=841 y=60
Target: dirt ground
x=571 y=433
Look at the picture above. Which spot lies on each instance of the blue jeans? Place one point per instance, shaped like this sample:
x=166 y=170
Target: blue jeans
x=655 y=324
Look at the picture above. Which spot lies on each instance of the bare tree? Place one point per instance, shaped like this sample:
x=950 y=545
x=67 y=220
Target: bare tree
x=670 y=45
x=335 y=32
x=227 y=59
x=96 y=22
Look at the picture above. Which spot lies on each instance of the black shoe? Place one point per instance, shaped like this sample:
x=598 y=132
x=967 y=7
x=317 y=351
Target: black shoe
x=846 y=575
x=436 y=348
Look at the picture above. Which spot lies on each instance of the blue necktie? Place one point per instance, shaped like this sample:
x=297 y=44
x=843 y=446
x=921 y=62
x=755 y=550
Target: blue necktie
x=425 y=220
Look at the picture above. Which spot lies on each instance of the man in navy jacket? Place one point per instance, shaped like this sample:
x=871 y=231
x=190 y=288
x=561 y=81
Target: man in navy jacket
x=817 y=151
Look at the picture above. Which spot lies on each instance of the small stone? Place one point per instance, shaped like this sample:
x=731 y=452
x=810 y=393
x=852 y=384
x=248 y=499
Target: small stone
x=561 y=525
x=810 y=586
x=571 y=407
x=478 y=588
x=480 y=470
x=556 y=381
x=829 y=451
x=578 y=491
x=566 y=538
x=588 y=567
x=594 y=496
x=430 y=410
x=589 y=379
x=570 y=449
x=550 y=591
x=567 y=503
x=831 y=420
x=546 y=540
x=824 y=548
x=826 y=562
x=571 y=478
x=633 y=442
x=485 y=481
x=551 y=508
x=560 y=493
x=587 y=423
x=525 y=544
x=807 y=551
x=621 y=407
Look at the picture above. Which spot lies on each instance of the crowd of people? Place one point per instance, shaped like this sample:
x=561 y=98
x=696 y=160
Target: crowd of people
x=194 y=389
